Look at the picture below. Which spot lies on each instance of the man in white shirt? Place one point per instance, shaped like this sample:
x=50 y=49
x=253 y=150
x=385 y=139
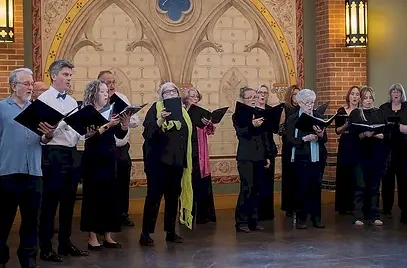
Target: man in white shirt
x=123 y=146
x=59 y=165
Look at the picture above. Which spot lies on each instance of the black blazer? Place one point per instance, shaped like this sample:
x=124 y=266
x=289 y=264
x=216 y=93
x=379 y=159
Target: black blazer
x=169 y=147
x=303 y=149
x=254 y=145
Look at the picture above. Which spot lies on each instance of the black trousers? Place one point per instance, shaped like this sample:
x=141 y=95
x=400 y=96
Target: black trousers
x=308 y=180
x=394 y=169
x=251 y=176
x=60 y=176
x=367 y=193
x=23 y=191
x=123 y=177
x=266 y=198
x=162 y=180
x=287 y=179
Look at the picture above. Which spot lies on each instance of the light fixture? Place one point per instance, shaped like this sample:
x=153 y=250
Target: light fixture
x=356 y=23
x=6 y=21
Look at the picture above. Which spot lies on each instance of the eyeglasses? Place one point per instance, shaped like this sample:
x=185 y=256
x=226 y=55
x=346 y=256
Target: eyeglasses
x=307 y=103
x=170 y=92
x=251 y=98
x=27 y=84
x=263 y=93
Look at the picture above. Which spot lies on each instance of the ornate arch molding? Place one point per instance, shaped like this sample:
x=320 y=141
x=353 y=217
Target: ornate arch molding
x=71 y=36
x=274 y=43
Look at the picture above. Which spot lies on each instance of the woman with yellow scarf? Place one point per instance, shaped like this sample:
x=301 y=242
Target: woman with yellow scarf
x=167 y=155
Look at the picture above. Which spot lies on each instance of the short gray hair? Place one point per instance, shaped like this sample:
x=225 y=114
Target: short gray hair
x=398 y=87
x=12 y=79
x=163 y=87
x=58 y=65
x=91 y=91
x=305 y=95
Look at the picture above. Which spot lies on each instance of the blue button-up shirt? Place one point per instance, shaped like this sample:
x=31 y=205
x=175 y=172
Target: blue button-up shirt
x=20 y=149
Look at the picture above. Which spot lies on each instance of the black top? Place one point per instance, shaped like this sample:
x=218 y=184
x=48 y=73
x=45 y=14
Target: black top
x=393 y=133
x=303 y=149
x=169 y=147
x=254 y=144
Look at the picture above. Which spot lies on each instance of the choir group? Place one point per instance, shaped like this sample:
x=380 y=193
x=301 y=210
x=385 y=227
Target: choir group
x=40 y=171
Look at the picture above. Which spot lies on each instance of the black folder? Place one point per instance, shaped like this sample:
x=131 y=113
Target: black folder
x=340 y=120
x=360 y=128
x=271 y=116
x=394 y=119
x=197 y=113
x=306 y=122
x=132 y=109
x=119 y=104
x=244 y=114
x=174 y=106
x=322 y=109
x=86 y=117
x=36 y=113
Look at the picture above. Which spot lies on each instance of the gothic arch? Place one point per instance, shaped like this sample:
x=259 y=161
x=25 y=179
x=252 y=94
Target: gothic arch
x=68 y=39
x=271 y=44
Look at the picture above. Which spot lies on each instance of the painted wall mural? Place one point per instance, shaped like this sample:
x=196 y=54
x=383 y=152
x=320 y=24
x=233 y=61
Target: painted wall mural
x=215 y=45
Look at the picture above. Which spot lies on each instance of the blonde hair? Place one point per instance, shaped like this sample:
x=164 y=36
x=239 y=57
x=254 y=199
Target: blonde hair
x=187 y=93
x=363 y=92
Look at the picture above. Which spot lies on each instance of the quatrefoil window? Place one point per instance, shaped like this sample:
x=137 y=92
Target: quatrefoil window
x=175 y=9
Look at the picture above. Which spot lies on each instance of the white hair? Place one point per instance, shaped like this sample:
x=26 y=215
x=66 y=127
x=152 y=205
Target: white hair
x=397 y=87
x=12 y=79
x=163 y=87
x=305 y=95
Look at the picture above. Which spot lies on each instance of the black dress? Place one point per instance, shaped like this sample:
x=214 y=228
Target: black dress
x=287 y=181
x=395 y=165
x=100 y=208
x=370 y=156
x=344 y=171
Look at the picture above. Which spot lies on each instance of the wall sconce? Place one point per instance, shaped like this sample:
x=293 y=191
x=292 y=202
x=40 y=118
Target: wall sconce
x=6 y=21
x=356 y=23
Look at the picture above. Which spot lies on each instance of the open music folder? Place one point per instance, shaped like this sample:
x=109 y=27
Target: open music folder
x=86 y=117
x=38 y=112
x=120 y=106
x=306 y=122
x=196 y=113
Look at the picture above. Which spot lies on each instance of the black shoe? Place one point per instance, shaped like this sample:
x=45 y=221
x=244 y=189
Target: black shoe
x=51 y=256
x=301 y=225
x=95 y=248
x=257 y=228
x=242 y=229
x=318 y=224
x=146 y=240
x=111 y=245
x=173 y=237
x=127 y=222
x=2 y=265
x=72 y=250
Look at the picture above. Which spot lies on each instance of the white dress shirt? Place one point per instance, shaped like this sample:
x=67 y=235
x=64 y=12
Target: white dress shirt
x=64 y=135
x=134 y=121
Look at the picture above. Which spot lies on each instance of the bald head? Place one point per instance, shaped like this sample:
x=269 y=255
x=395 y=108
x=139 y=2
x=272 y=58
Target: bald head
x=40 y=86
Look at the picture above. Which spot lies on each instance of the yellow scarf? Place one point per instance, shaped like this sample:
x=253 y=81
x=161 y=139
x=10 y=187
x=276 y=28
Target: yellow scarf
x=186 y=197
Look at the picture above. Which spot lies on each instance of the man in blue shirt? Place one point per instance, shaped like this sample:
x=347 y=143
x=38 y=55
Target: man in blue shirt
x=20 y=170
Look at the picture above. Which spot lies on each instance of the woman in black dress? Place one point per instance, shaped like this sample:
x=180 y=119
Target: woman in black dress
x=100 y=214
x=287 y=184
x=392 y=109
x=370 y=156
x=204 y=206
x=266 y=198
x=344 y=167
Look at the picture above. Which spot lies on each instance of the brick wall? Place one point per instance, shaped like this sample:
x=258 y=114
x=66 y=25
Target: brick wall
x=12 y=54
x=338 y=67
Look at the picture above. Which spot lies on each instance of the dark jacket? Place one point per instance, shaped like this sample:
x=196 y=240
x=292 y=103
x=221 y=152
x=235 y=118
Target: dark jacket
x=169 y=147
x=303 y=149
x=254 y=145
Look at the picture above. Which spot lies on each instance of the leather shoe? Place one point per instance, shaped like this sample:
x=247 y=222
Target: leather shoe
x=257 y=228
x=146 y=240
x=73 y=251
x=127 y=222
x=173 y=237
x=51 y=256
x=111 y=245
x=242 y=229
